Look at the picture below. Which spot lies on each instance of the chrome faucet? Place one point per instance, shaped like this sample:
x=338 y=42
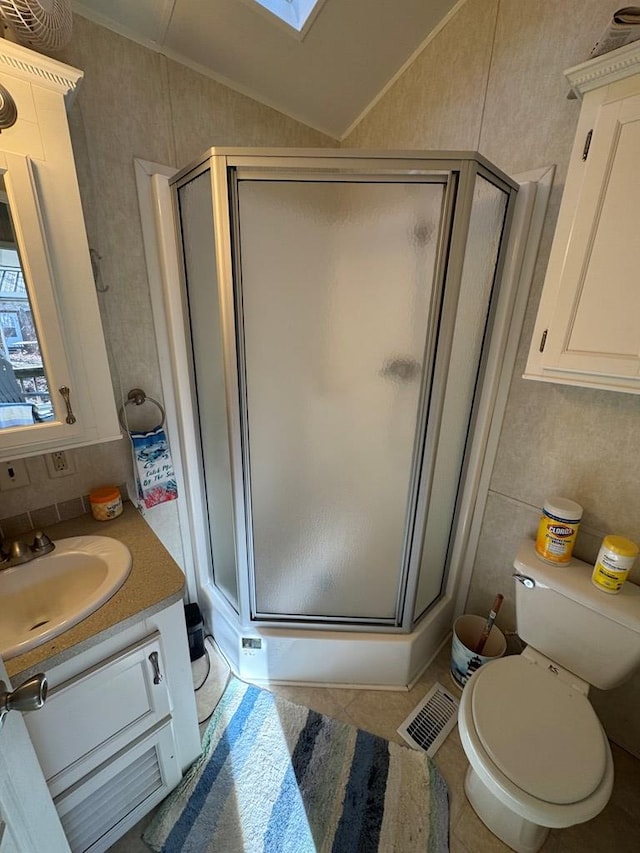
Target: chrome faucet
x=19 y=552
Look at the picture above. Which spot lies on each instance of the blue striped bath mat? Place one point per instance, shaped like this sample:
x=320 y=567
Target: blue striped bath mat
x=275 y=777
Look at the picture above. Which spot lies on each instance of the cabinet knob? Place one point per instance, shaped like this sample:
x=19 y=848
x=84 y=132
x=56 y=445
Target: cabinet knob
x=30 y=696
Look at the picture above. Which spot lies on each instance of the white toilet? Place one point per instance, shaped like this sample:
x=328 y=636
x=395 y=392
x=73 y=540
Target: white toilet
x=538 y=756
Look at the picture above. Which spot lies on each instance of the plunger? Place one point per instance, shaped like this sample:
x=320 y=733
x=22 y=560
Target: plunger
x=489 y=623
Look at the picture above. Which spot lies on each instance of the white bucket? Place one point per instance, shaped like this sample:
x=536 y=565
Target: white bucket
x=467 y=631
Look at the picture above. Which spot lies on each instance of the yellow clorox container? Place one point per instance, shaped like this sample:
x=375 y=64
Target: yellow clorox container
x=615 y=560
x=558 y=529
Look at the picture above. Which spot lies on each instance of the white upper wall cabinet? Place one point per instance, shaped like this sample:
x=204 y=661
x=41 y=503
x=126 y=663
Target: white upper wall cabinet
x=588 y=327
x=55 y=385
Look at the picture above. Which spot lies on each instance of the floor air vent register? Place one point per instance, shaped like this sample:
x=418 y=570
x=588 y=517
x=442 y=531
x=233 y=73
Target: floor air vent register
x=429 y=724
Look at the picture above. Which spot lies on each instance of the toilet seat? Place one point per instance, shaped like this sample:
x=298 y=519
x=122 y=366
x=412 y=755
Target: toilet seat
x=529 y=720
x=536 y=742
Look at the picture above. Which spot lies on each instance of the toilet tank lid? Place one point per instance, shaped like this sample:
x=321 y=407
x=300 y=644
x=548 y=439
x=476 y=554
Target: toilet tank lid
x=573 y=580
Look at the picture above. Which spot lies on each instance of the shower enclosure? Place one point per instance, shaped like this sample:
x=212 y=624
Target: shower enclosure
x=339 y=305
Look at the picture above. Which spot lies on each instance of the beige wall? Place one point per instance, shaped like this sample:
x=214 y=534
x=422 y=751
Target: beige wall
x=492 y=80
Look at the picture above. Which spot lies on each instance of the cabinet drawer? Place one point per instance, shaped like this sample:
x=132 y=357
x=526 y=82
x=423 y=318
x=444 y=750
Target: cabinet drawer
x=90 y=717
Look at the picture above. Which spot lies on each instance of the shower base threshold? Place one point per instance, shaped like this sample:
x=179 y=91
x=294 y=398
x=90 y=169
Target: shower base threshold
x=331 y=658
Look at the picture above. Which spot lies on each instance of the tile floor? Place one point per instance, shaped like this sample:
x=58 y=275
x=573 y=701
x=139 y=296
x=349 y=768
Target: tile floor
x=615 y=830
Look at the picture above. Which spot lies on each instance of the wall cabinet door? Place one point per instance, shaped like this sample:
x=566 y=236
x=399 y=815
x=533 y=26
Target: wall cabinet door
x=51 y=340
x=588 y=331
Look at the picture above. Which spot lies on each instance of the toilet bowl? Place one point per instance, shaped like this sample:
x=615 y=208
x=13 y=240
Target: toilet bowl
x=538 y=755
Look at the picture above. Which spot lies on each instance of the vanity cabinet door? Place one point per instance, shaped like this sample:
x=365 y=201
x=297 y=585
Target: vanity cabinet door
x=587 y=331
x=99 y=712
x=118 y=729
x=28 y=819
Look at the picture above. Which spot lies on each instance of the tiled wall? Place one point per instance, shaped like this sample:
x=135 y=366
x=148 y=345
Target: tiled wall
x=39 y=519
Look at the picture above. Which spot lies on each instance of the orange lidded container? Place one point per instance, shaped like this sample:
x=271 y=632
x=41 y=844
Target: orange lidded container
x=558 y=529
x=106 y=503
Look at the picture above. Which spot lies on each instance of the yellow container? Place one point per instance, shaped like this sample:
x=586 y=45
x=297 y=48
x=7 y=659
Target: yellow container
x=615 y=560
x=558 y=529
x=106 y=503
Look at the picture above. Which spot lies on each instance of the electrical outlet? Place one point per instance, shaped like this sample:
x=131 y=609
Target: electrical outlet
x=60 y=463
x=13 y=475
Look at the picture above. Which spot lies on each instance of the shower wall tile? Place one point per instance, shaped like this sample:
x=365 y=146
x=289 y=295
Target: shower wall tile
x=438 y=102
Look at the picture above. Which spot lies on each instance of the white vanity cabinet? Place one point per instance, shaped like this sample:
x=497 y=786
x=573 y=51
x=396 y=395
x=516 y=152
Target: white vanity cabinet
x=45 y=272
x=118 y=729
x=587 y=330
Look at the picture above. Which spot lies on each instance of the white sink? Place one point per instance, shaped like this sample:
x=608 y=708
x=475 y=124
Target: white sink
x=42 y=598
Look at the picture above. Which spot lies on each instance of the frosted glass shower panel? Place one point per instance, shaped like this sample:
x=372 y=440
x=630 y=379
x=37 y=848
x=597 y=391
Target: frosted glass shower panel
x=196 y=222
x=484 y=238
x=337 y=282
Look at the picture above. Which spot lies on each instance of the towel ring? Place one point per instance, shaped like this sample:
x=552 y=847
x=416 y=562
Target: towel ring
x=137 y=396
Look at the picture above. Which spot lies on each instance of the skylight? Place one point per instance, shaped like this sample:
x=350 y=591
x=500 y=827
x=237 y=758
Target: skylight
x=297 y=14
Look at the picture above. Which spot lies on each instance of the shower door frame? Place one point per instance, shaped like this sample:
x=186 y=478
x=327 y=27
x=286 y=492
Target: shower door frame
x=458 y=172
x=449 y=181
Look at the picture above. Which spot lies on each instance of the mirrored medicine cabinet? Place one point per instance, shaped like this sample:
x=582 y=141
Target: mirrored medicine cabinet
x=55 y=386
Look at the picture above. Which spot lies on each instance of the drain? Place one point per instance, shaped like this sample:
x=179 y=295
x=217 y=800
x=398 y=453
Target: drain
x=38 y=625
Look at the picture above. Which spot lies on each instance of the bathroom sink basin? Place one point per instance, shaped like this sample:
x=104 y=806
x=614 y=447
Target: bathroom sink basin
x=42 y=598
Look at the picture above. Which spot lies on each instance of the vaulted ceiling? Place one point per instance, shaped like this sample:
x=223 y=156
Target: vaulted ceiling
x=328 y=78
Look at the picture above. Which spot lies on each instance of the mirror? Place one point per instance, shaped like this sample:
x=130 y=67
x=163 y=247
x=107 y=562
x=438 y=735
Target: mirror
x=24 y=390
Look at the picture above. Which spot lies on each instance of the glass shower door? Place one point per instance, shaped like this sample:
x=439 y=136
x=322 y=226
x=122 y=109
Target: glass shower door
x=336 y=303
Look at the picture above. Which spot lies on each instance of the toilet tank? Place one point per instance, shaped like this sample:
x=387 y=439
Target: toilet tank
x=562 y=615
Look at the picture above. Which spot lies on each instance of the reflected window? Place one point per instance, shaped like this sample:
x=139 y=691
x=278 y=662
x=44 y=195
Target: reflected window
x=24 y=390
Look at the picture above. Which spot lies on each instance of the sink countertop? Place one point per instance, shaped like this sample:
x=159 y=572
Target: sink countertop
x=155 y=582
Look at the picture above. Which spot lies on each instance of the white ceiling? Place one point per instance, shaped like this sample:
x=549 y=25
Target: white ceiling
x=353 y=50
